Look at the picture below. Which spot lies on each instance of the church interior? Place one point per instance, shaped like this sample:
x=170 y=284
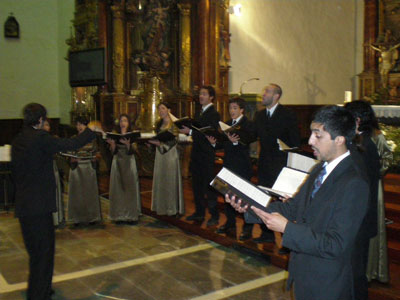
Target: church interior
x=104 y=58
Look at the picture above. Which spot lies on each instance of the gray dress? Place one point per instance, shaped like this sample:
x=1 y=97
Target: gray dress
x=377 y=257
x=84 y=202
x=125 y=202
x=167 y=196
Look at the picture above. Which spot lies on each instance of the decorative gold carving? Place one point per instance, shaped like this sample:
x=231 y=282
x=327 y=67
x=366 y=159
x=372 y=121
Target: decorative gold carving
x=118 y=49
x=82 y=102
x=152 y=96
x=185 y=51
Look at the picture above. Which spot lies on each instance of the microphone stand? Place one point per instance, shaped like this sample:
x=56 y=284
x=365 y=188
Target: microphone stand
x=244 y=82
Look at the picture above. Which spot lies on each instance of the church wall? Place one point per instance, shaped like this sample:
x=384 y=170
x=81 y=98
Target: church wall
x=312 y=48
x=33 y=68
x=65 y=16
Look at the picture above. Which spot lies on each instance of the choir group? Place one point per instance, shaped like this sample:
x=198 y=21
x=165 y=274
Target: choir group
x=276 y=122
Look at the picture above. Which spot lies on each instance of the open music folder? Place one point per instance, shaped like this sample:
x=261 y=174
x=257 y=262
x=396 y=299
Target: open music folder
x=163 y=136
x=227 y=182
x=185 y=121
x=131 y=136
x=79 y=155
x=288 y=182
x=246 y=137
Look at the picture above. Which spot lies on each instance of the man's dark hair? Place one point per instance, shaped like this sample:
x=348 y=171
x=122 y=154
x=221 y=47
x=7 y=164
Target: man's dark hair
x=363 y=110
x=337 y=121
x=210 y=89
x=82 y=119
x=33 y=112
x=239 y=101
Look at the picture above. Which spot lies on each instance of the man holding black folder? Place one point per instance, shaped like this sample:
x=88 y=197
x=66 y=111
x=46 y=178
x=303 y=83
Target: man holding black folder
x=272 y=123
x=236 y=158
x=321 y=222
x=203 y=159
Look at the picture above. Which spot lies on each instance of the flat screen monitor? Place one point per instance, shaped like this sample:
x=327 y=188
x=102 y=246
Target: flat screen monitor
x=87 y=67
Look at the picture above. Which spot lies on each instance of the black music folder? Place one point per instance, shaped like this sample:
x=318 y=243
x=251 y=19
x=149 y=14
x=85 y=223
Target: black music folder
x=164 y=136
x=211 y=131
x=185 y=121
x=246 y=137
x=227 y=182
x=131 y=136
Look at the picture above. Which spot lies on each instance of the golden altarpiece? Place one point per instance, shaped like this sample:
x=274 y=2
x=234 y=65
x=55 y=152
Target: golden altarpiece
x=156 y=50
x=380 y=79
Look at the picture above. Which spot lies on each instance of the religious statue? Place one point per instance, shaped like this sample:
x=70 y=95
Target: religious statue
x=154 y=34
x=387 y=60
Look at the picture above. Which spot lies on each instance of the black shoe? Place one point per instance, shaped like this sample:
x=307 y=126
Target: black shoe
x=212 y=222
x=225 y=228
x=264 y=239
x=244 y=236
x=195 y=217
x=284 y=251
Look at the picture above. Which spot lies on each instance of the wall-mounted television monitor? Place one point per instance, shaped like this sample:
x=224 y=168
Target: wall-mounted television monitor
x=87 y=67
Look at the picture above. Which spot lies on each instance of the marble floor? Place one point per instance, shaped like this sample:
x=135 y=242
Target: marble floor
x=151 y=260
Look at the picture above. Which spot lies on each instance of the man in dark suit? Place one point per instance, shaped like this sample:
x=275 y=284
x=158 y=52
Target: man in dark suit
x=35 y=200
x=367 y=157
x=236 y=157
x=203 y=159
x=321 y=222
x=274 y=122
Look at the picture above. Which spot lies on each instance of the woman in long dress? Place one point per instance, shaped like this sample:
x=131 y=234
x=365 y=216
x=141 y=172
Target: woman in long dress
x=84 y=201
x=378 y=267
x=167 y=196
x=125 y=202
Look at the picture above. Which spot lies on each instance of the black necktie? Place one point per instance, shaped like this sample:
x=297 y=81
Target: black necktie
x=268 y=115
x=234 y=122
x=318 y=182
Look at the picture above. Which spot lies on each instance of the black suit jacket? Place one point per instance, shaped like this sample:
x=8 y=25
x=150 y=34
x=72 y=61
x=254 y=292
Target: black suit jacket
x=282 y=125
x=32 y=168
x=202 y=150
x=237 y=157
x=321 y=232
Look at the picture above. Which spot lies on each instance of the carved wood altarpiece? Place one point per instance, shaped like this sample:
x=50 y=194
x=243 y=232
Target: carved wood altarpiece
x=180 y=44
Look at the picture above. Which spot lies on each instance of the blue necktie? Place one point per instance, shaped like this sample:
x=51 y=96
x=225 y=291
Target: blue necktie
x=318 y=182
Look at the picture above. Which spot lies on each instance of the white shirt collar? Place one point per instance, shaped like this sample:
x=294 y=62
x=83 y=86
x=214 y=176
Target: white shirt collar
x=204 y=108
x=272 y=109
x=329 y=167
x=237 y=120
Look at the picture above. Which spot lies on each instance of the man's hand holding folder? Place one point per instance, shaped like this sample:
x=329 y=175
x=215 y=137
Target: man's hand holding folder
x=274 y=221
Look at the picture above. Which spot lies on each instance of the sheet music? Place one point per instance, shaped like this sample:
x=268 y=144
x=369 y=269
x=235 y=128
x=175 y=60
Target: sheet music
x=77 y=156
x=283 y=146
x=172 y=117
x=301 y=162
x=289 y=180
x=147 y=135
x=5 y=153
x=224 y=126
x=244 y=187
